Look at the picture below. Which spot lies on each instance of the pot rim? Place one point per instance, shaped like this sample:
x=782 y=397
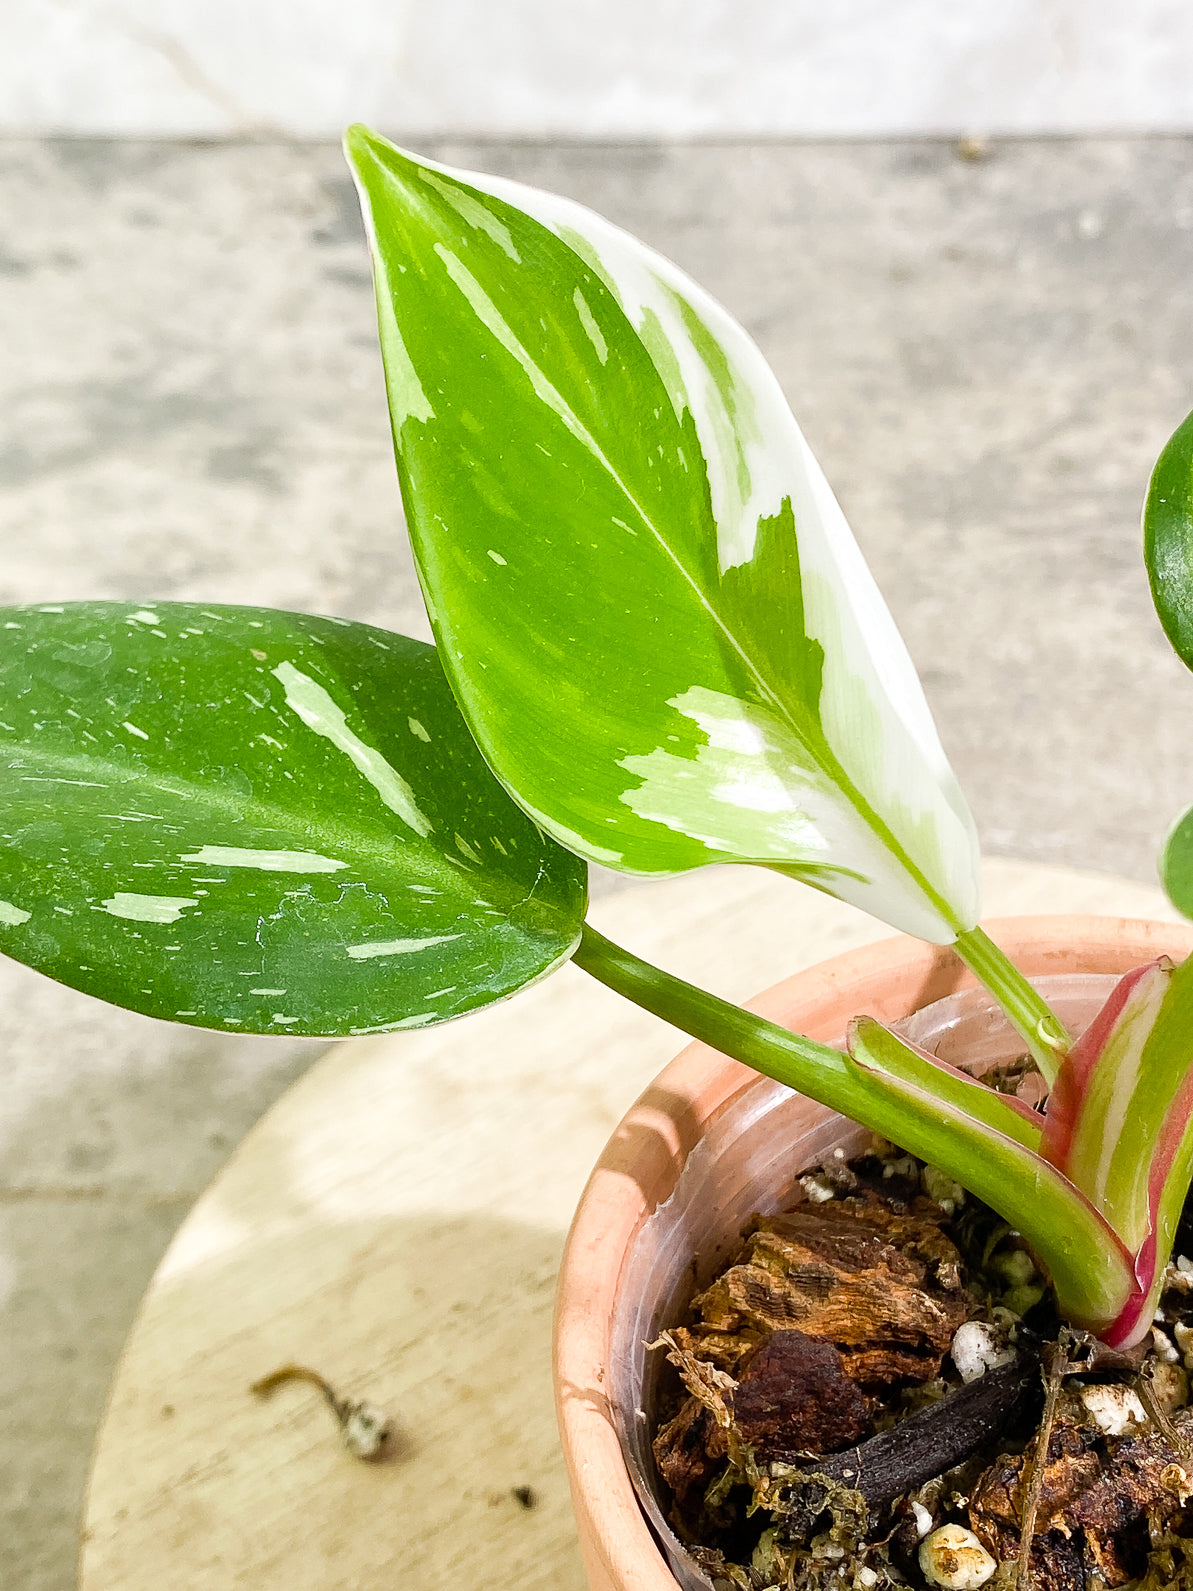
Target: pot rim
x=638 y=1169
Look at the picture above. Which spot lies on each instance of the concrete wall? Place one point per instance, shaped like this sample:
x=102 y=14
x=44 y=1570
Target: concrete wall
x=612 y=69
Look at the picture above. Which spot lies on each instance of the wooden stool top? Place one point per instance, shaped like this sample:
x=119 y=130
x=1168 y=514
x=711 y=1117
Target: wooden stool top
x=395 y=1223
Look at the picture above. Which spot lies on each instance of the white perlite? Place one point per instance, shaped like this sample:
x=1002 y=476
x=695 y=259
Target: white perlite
x=1114 y=1410
x=954 y=1558
x=979 y=1347
x=923 y=1519
x=1163 y=1347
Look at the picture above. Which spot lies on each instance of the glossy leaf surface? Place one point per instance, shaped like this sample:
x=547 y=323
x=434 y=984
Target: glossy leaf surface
x=261 y=821
x=652 y=609
x=1119 y=1120
x=1168 y=539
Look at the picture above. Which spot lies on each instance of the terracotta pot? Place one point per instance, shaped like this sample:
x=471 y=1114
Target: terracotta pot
x=615 y=1254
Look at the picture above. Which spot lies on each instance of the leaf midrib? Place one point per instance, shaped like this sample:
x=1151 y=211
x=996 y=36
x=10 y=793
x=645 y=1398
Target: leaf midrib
x=328 y=834
x=817 y=747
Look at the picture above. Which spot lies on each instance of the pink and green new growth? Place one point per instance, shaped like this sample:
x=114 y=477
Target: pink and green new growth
x=1102 y=1225
x=658 y=648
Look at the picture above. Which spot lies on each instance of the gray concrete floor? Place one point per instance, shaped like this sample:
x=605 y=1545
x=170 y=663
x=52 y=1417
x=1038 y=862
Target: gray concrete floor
x=985 y=355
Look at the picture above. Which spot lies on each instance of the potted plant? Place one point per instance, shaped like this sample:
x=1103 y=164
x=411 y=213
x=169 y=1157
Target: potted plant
x=705 y=1148
x=658 y=648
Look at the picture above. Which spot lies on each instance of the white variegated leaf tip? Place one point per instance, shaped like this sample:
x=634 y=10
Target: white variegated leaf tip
x=751 y=794
x=872 y=812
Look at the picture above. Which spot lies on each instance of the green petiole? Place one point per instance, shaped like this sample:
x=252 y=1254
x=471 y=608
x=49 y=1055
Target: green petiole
x=818 y=1070
x=1045 y=1035
x=883 y=1086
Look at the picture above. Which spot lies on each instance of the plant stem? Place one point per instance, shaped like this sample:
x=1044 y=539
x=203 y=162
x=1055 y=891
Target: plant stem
x=819 y=1071
x=1037 y=1024
x=814 y=1069
x=1088 y=1265
x=825 y=1074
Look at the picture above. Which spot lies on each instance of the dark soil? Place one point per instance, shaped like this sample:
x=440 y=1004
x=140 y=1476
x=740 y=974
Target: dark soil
x=870 y=1368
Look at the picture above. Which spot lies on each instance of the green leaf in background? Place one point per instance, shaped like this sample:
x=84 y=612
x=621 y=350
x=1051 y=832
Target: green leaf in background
x=1168 y=551
x=261 y=821
x=651 y=608
x=1176 y=863
x=1168 y=539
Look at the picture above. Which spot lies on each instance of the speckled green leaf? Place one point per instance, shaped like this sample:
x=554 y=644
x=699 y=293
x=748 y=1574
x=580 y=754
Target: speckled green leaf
x=650 y=605
x=261 y=821
x=1168 y=539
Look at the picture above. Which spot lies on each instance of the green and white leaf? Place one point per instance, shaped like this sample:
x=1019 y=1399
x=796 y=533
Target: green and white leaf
x=261 y=821
x=650 y=605
x=1120 y=1123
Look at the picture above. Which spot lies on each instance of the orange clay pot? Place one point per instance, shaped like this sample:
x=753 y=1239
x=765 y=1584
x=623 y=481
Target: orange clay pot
x=614 y=1253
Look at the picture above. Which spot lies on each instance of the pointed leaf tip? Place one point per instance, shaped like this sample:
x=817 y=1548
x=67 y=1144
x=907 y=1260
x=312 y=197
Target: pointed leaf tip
x=573 y=414
x=361 y=142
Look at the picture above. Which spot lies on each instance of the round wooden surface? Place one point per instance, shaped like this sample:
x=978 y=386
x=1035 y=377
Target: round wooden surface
x=395 y=1223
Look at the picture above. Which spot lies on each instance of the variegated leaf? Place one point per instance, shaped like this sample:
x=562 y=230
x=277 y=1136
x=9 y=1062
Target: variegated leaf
x=650 y=605
x=1119 y=1120
x=987 y=1143
x=261 y=821
x=911 y=1070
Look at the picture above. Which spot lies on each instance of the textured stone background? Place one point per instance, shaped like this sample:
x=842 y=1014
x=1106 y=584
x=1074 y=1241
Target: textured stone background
x=594 y=68
x=986 y=357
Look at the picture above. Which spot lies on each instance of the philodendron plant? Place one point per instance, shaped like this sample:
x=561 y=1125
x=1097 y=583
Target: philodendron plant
x=658 y=648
